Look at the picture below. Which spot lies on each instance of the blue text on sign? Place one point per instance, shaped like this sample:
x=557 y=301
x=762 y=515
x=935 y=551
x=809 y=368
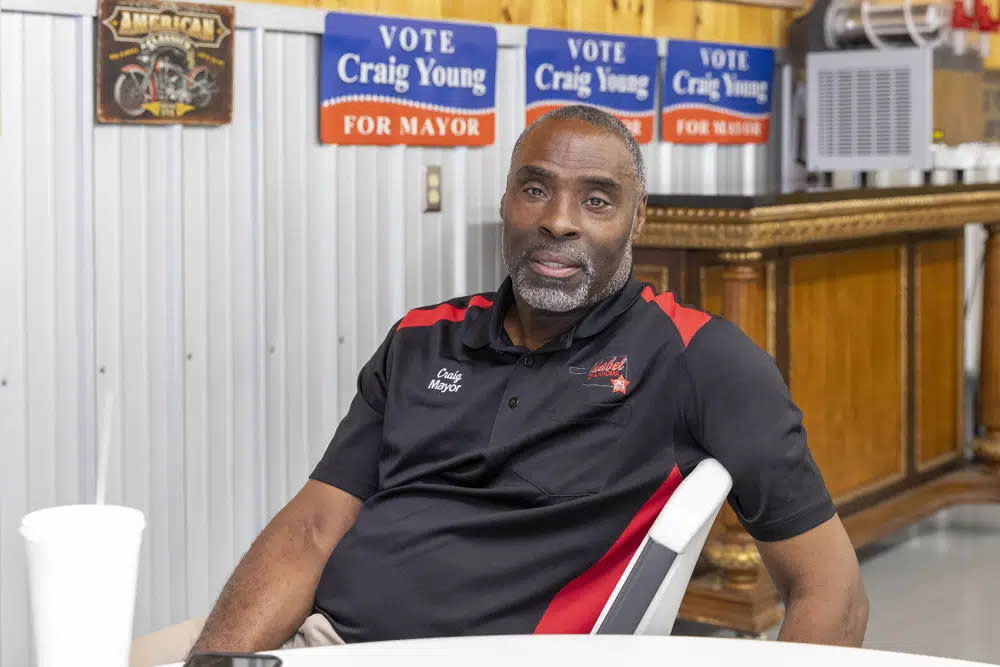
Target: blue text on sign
x=409 y=38
x=351 y=68
x=580 y=81
x=593 y=50
x=684 y=83
x=728 y=59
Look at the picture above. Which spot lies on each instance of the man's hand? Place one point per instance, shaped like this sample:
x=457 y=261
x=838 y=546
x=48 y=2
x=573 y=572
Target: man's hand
x=271 y=591
x=818 y=577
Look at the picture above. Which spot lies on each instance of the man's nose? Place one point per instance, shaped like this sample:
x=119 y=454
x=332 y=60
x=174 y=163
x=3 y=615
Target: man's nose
x=560 y=219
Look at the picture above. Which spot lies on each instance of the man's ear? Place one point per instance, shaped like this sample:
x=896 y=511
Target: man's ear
x=503 y=205
x=640 y=219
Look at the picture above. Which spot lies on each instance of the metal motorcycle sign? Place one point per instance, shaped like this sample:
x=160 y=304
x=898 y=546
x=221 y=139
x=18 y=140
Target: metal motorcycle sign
x=164 y=62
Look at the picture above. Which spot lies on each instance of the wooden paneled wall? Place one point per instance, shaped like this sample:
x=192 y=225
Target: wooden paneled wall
x=992 y=61
x=848 y=363
x=853 y=344
x=708 y=20
x=683 y=19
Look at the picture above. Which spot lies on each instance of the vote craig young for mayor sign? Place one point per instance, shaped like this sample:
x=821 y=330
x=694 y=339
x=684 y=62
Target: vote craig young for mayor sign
x=401 y=81
x=716 y=93
x=614 y=73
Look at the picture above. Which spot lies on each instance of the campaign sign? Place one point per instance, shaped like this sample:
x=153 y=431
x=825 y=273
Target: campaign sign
x=717 y=93
x=402 y=81
x=611 y=72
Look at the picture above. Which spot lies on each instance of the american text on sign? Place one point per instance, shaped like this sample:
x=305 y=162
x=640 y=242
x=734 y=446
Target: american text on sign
x=136 y=22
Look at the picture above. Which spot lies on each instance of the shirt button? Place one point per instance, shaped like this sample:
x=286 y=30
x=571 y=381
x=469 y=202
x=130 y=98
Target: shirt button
x=529 y=361
x=512 y=402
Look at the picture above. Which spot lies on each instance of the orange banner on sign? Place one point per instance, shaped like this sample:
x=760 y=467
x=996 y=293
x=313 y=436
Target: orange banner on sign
x=387 y=123
x=698 y=125
x=640 y=125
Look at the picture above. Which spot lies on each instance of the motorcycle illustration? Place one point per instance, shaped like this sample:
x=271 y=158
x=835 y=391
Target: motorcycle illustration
x=156 y=77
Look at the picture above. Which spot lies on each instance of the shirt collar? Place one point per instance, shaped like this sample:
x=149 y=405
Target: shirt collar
x=487 y=328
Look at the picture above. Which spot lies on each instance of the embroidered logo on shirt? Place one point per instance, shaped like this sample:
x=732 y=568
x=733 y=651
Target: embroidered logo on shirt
x=612 y=373
x=446 y=381
x=619 y=385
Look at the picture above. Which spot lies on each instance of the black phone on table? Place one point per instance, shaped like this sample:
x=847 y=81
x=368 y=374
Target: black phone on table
x=233 y=660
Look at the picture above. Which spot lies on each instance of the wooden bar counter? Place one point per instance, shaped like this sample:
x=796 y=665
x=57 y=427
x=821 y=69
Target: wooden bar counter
x=859 y=297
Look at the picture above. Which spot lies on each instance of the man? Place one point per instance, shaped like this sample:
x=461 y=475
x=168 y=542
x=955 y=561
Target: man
x=496 y=457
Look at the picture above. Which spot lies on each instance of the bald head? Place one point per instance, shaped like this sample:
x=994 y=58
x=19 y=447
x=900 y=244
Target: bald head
x=601 y=120
x=575 y=200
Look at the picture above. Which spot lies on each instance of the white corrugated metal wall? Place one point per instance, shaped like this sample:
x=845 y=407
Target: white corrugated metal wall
x=224 y=284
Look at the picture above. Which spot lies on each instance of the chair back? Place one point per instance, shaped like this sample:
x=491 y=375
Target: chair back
x=648 y=594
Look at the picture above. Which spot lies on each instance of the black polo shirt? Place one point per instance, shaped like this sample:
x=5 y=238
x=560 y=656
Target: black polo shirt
x=505 y=490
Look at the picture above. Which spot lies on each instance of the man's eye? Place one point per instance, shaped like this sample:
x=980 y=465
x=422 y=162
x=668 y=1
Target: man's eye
x=596 y=202
x=533 y=191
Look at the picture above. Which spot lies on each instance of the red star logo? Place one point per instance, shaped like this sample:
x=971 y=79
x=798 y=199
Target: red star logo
x=619 y=385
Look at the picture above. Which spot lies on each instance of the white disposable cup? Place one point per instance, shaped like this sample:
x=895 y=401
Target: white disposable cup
x=83 y=561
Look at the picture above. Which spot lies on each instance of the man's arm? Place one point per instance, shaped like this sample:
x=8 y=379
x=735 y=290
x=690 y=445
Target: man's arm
x=271 y=591
x=818 y=578
x=742 y=413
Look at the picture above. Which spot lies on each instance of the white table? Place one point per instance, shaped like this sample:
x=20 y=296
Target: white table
x=600 y=651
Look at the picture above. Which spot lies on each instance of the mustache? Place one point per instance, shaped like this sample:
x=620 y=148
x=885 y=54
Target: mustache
x=574 y=253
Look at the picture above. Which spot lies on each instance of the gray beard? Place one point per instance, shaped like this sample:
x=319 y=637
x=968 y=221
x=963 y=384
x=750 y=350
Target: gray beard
x=554 y=299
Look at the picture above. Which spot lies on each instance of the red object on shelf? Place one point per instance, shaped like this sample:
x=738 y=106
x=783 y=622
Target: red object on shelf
x=959 y=19
x=986 y=22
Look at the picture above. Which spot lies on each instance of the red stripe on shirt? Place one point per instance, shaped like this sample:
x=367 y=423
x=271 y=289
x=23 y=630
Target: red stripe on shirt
x=576 y=608
x=444 y=312
x=687 y=320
